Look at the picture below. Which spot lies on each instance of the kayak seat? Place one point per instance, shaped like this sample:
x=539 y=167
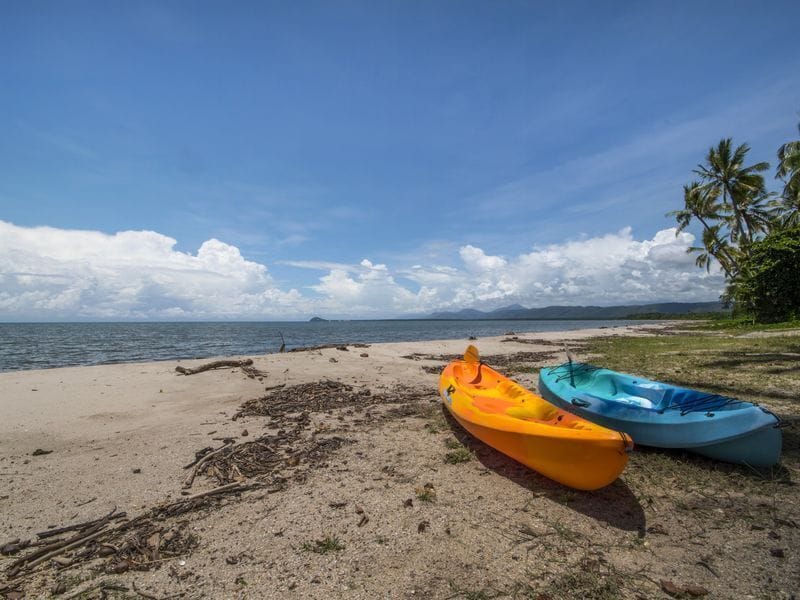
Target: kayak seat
x=633 y=400
x=644 y=396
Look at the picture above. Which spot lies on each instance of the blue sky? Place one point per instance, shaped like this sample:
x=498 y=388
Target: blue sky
x=354 y=154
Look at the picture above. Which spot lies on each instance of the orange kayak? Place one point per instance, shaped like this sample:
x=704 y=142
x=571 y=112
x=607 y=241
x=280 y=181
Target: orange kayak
x=526 y=427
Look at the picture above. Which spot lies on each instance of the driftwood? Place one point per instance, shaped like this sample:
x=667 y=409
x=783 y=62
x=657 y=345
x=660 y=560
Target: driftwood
x=102 y=586
x=101 y=538
x=156 y=535
x=327 y=346
x=84 y=525
x=245 y=365
x=223 y=489
x=217 y=364
x=190 y=478
x=54 y=549
x=82 y=539
x=13 y=546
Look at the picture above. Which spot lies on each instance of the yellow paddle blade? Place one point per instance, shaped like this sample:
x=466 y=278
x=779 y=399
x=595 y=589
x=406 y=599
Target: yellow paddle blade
x=471 y=354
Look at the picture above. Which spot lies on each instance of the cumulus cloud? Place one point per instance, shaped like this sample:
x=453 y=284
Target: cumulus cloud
x=611 y=269
x=55 y=273
x=49 y=273
x=372 y=290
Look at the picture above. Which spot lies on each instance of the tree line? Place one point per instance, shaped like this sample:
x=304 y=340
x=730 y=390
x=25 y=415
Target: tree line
x=752 y=233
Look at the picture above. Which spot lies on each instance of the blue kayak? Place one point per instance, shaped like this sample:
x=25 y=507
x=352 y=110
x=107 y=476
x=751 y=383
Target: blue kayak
x=666 y=416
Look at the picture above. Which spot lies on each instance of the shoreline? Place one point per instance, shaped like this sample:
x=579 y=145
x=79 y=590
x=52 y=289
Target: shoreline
x=59 y=345
x=119 y=436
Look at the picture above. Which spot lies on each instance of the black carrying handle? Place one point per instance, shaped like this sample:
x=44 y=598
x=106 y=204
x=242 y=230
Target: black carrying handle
x=581 y=403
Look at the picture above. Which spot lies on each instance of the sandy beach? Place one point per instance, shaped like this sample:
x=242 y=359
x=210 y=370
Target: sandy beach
x=366 y=505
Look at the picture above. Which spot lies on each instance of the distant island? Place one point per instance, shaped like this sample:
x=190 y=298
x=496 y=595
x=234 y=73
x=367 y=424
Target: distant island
x=317 y=320
x=637 y=311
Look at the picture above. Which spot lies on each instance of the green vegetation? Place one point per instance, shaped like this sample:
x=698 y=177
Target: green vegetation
x=789 y=172
x=426 y=496
x=460 y=455
x=323 y=546
x=752 y=234
x=426 y=493
x=656 y=316
x=458 y=452
x=743 y=325
x=752 y=368
x=768 y=286
x=590 y=581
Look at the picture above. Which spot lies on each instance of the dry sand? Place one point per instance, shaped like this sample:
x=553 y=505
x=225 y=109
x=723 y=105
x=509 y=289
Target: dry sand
x=120 y=435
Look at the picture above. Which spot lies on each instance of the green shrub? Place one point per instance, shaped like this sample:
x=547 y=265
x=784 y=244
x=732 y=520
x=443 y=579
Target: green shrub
x=768 y=284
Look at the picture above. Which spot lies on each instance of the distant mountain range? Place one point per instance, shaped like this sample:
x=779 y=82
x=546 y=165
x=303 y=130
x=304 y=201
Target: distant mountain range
x=515 y=311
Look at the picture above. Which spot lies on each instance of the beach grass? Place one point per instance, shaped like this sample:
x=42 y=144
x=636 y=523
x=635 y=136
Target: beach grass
x=457 y=456
x=329 y=543
x=756 y=368
x=743 y=325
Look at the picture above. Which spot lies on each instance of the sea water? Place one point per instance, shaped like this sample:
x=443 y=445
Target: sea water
x=47 y=345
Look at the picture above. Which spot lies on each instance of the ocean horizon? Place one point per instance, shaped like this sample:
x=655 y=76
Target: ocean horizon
x=25 y=346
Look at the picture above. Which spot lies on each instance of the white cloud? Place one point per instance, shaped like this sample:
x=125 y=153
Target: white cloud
x=55 y=273
x=371 y=291
x=476 y=260
x=49 y=273
x=610 y=269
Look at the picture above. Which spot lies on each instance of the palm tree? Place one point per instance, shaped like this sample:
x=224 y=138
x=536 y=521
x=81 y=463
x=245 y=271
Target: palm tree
x=701 y=203
x=718 y=248
x=789 y=172
x=741 y=189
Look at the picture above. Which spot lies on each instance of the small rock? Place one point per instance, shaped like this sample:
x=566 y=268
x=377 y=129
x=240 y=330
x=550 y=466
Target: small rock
x=231 y=560
x=774 y=535
x=245 y=433
x=408 y=503
x=777 y=552
x=40 y=452
x=333 y=360
x=60 y=587
x=13 y=546
x=670 y=588
x=472 y=337
x=423 y=525
x=137 y=471
x=657 y=528
x=119 y=567
x=696 y=590
x=342 y=348
x=364 y=355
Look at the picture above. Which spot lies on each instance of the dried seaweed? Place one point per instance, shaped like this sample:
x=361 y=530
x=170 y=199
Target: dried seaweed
x=268 y=461
x=139 y=543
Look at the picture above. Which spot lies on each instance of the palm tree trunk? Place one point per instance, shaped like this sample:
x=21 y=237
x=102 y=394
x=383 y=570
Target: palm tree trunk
x=728 y=257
